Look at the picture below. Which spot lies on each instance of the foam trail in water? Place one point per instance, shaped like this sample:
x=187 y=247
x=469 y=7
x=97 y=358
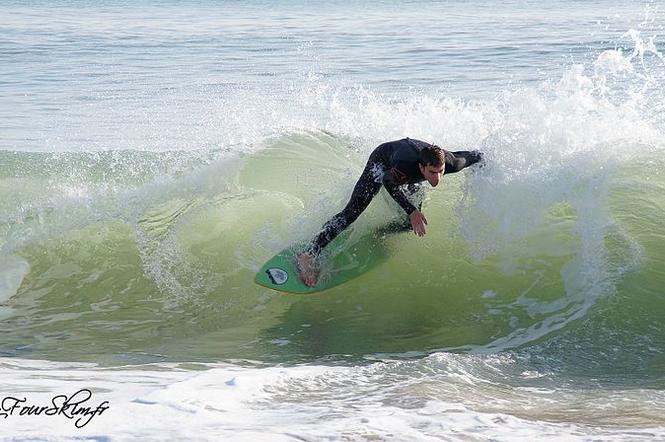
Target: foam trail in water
x=443 y=395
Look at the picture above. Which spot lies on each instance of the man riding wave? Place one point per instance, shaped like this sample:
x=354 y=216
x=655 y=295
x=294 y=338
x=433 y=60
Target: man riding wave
x=394 y=165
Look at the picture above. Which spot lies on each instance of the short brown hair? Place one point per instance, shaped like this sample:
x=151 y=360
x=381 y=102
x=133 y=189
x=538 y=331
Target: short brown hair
x=432 y=156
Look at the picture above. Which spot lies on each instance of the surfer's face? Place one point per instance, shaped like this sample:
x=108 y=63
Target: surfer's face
x=431 y=173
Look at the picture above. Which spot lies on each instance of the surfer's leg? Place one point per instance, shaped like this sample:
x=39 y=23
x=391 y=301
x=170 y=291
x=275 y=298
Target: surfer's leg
x=366 y=188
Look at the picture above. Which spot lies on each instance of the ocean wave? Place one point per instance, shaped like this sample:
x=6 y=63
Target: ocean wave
x=154 y=252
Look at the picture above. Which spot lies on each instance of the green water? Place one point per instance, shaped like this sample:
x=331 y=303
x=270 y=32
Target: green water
x=162 y=269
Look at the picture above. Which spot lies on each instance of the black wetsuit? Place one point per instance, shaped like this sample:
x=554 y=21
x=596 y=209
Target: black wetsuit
x=393 y=165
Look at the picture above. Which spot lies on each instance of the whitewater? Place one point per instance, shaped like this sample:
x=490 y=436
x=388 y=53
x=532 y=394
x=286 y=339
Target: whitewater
x=154 y=155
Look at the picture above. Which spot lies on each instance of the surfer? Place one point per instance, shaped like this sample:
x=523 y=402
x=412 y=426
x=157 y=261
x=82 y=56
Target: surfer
x=399 y=166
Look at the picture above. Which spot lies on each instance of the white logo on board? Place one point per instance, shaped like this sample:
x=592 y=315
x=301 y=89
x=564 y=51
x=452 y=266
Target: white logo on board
x=277 y=275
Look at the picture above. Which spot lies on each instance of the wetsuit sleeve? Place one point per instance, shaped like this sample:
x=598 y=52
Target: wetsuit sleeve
x=395 y=190
x=456 y=161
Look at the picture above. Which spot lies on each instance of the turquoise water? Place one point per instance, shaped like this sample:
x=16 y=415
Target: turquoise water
x=154 y=155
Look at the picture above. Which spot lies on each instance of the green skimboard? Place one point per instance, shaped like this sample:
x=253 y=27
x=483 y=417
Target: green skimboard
x=343 y=263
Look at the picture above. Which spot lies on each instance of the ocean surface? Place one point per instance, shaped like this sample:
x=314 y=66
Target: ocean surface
x=154 y=154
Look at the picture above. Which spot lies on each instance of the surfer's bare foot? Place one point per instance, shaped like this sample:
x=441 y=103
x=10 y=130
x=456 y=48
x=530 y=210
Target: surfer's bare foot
x=307 y=269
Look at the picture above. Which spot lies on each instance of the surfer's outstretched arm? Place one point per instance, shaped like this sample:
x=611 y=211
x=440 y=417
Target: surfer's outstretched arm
x=397 y=191
x=416 y=218
x=456 y=161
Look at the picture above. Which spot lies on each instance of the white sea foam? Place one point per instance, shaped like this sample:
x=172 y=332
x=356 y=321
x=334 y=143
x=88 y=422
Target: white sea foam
x=442 y=396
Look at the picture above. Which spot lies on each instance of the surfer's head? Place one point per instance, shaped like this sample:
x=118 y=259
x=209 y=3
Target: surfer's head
x=432 y=164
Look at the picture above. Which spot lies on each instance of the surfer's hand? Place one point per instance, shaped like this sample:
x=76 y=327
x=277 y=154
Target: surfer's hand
x=418 y=222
